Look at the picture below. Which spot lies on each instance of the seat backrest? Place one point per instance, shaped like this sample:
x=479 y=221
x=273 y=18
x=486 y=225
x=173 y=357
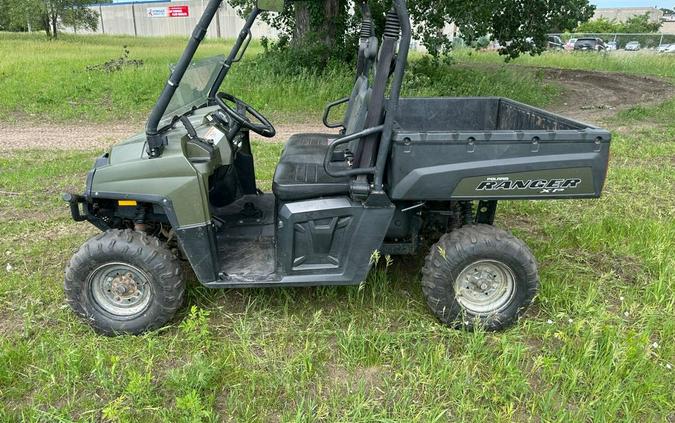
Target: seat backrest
x=355 y=119
x=357 y=108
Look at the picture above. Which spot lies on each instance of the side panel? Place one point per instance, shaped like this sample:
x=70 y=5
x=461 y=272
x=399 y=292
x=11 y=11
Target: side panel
x=495 y=169
x=328 y=240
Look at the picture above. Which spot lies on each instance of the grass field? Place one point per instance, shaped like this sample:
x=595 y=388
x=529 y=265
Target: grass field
x=640 y=63
x=49 y=79
x=596 y=346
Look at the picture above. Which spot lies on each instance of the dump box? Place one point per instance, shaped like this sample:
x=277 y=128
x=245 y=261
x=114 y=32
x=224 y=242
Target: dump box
x=492 y=148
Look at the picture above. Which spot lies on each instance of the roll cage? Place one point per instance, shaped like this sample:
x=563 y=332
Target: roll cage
x=377 y=137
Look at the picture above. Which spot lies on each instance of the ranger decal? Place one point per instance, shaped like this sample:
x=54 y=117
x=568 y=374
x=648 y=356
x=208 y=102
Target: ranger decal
x=541 y=185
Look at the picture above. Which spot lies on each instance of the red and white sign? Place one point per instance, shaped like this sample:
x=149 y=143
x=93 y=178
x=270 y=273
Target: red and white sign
x=169 y=12
x=179 y=11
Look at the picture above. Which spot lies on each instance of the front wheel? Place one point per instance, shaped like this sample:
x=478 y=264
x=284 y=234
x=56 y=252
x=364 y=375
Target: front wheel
x=122 y=281
x=479 y=275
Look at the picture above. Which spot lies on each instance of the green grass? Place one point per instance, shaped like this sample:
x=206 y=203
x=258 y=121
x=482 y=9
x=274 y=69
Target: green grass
x=596 y=345
x=662 y=65
x=42 y=79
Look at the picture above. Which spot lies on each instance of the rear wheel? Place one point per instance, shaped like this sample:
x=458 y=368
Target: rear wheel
x=479 y=275
x=123 y=281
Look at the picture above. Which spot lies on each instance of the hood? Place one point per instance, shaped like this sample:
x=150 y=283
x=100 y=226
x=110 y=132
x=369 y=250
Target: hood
x=134 y=148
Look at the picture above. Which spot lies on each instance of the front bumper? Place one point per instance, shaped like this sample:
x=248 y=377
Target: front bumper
x=80 y=205
x=74 y=201
x=81 y=210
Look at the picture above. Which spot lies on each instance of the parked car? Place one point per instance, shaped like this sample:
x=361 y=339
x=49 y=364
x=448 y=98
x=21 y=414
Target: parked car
x=569 y=45
x=670 y=49
x=612 y=45
x=589 y=44
x=555 y=43
x=633 y=46
x=663 y=48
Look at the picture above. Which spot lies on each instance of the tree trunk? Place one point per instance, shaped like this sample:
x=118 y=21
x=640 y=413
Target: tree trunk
x=302 y=23
x=331 y=21
x=318 y=22
x=54 y=25
x=44 y=20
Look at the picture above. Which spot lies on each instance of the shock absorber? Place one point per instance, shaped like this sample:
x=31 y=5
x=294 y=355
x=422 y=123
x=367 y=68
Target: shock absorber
x=467 y=212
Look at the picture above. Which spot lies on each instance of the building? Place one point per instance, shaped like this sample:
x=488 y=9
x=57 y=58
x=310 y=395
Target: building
x=164 y=18
x=622 y=14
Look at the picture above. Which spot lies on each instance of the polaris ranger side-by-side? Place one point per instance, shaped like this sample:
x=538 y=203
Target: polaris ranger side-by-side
x=402 y=170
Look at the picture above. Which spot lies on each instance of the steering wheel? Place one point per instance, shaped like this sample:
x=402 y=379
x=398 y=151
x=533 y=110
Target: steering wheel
x=264 y=128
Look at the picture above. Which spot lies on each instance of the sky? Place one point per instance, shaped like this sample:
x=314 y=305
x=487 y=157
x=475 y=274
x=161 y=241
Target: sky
x=634 y=3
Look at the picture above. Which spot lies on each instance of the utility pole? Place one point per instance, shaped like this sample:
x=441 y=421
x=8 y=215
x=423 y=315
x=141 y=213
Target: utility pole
x=133 y=17
x=100 y=14
x=218 y=20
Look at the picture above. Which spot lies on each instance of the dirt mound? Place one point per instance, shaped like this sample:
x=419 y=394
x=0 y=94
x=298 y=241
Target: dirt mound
x=591 y=96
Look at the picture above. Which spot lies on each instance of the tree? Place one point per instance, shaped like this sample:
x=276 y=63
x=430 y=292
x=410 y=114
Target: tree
x=48 y=15
x=640 y=23
x=516 y=23
x=599 y=26
x=19 y=16
x=73 y=13
x=315 y=30
x=520 y=26
x=637 y=24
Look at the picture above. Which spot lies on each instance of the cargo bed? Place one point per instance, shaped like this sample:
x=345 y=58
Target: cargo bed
x=492 y=148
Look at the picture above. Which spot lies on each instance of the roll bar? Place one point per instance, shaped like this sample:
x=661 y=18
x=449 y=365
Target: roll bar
x=371 y=148
x=401 y=7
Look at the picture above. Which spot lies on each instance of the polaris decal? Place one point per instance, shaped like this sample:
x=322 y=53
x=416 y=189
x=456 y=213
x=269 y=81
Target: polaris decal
x=543 y=186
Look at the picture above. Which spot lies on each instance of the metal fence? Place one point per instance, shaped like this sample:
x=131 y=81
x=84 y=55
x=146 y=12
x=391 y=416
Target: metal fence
x=168 y=18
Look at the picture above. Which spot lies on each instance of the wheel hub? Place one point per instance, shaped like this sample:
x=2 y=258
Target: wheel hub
x=485 y=287
x=120 y=289
x=125 y=286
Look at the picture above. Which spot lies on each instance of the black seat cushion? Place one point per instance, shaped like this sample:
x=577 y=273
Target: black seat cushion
x=303 y=144
x=300 y=173
x=301 y=181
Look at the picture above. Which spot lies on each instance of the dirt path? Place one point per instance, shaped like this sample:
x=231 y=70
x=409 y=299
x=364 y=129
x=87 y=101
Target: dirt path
x=95 y=136
x=593 y=96
x=589 y=97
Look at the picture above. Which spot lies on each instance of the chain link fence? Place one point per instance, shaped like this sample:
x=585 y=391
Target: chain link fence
x=619 y=41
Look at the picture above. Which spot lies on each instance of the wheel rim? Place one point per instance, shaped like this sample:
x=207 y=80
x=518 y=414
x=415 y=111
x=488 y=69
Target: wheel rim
x=120 y=289
x=485 y=287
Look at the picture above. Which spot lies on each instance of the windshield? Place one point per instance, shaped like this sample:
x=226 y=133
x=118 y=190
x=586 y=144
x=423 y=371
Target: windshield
x=194 y=88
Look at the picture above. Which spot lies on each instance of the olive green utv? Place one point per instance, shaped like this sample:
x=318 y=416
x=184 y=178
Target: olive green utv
x=402 y=171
